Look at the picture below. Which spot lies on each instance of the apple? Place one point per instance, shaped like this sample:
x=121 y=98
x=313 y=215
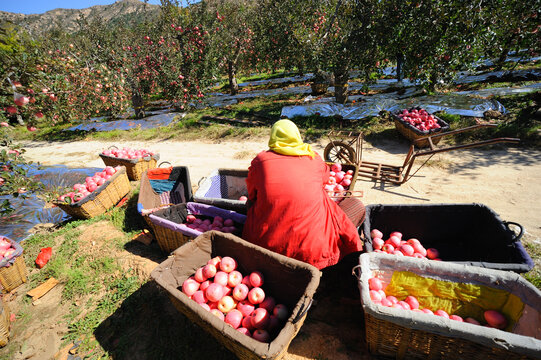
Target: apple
x=388 y=248
x=215 y=260
x=234 y=278
x=386 y=302
x=228 y=290
x=375 y=296
x=406 y=249
x=472 y=321
x=394 y=241
x=456 y=318
x=274 y=324
x=243 y=198
x=392 y=299
x=209 y=271
x=190 y=218
x=269 y=303
x=281 y=312
x=261 y=335
x=226 y=304
x=229 y=222
x=221 y=278
x=375 y=284
x=256 y=279
x=427 y=311
x=244 y=331
x=375 y=233
x=190 y=286
x=205 y=306
x=404 y=305
x=441 y=313
x=378 y=243
x=260 y=318
x=495 y=319
x=432 y=253
x=240 y=292
x=204 y=285
x=245 y=307
x=214 y=292
x=247 y=323
x=234 y=318
x=256 y=295
x=412 y=301
x=419 y=249
x=199 y=297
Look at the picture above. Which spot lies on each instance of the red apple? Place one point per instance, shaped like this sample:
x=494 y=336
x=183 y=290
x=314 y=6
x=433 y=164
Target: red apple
x=218 y=314
x=412 y=301
x=441 y=313
x=256 y=279
x=245 y=307
x=226 y=304
x=215 y=260
x=280 y=311
x=269 y=303
x=190 y=218
x=190 y=286
x=209 y=271
x=386 y=302
x=375 y=296
x=221 y=278
x=240 y=292
x=394 y=241
x=234 y=318
x=199 y=276
x=199 y=297
x=427 y=311
x=432 y=253
x=397 y=234
x=204 y=285
x=234 y=278
x=205 y=306
x=261 y=335
x=214 y=292
x=378 y=243
x=247 y=323
x=406 y=250
x=375 y=233
x=260 y=318
x=404 y=305
x=495 y=319
x=456 y=317
x=388 y=248
x=392 y=299
x=256 y=295
x=472 y=321
x=246 y=281
x=228 y=264
x=244 y=331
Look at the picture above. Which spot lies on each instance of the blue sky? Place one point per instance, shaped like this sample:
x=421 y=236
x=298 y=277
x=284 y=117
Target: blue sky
x=41 y=6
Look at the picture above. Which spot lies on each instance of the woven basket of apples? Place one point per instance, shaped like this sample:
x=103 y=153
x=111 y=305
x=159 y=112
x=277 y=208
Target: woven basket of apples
x=471 y=234
x=416 y=123
x=136 y=161
x=224 y=188
x=419 y=310
x=13 y=270
x=177 y=224
x=97 y=195
x=252 y=300
x=4 y=323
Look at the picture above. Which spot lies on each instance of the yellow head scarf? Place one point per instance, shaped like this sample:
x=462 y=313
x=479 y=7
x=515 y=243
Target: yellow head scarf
x=286 y=139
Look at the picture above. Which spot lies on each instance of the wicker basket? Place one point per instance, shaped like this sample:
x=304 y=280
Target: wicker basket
x=134 y=167
x=412 y=133
x=4 y=324
x=100 y=200
x=14 y=275
x=404 y=334
x=223 y=188
x=171 y=233
x=470 y=234
x=149 y=199
x=291 y=282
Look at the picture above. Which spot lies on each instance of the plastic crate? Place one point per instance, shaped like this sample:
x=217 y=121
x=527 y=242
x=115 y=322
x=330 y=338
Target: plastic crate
x=471 y=234
x=290 y=282
x=406 y=334
x=223 y=188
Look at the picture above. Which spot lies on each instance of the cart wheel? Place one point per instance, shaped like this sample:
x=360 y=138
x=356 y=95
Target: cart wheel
x=339 y=152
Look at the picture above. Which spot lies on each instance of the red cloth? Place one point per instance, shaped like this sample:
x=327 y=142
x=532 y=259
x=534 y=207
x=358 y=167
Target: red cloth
x=292 y=215
x=159 y=173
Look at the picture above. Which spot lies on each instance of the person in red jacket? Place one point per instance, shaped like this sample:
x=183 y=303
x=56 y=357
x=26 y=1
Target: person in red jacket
x=289 y=211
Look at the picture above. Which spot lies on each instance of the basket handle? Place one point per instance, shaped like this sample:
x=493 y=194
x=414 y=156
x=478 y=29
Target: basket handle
x=165 y=162
x=356 y=271
x=515 y=236
x=112 y=146
x=302 y=311
x=200 y=180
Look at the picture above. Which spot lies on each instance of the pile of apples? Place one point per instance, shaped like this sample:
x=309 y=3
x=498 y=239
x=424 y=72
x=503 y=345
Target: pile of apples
x=237 y=299
x=90 y=185
x=420 y=119
x=127 y=153
x=395 y=245
x=218 y=223
x=339 y=182
x=6 y=249
x=493 y=318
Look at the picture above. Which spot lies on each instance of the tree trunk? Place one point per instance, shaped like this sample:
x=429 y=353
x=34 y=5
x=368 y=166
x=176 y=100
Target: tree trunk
x=232 y=73
x=399 y=66
x=138 y=105
x=341 y=77
x=502 y=58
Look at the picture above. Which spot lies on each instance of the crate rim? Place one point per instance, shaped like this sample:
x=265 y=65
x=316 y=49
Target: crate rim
x=437 y=324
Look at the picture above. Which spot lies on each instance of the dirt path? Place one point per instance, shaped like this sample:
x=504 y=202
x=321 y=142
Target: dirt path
x=506 y=179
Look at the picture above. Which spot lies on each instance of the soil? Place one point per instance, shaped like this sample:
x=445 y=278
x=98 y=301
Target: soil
x=505 y=178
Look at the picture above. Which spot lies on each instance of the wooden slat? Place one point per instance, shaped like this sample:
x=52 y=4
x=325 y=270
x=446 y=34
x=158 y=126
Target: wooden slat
x=42 y=289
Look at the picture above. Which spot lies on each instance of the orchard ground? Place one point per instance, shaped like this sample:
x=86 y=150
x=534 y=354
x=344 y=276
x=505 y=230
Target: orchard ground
x=505 y=178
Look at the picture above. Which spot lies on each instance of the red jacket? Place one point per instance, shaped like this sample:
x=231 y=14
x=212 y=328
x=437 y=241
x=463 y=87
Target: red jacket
x=291 y=213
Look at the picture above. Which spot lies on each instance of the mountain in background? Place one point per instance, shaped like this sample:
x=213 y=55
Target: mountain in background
x=122 y=10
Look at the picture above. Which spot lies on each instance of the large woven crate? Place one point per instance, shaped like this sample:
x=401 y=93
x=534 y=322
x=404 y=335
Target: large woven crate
x=471 y=234
x=405 y=334
x=223 y=188
x=13 y=272
x=101 y=199
x=134 y=167
x=150 y=200
x=4 y=323
x=290 y=282
x=412 y=133
x=171 y=232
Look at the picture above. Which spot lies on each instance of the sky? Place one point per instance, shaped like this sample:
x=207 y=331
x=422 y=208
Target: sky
x=41 y=6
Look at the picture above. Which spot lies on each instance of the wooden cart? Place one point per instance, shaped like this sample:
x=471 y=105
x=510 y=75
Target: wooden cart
x=347 y=148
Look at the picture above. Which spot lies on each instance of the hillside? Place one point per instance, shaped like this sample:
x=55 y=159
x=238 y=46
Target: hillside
x=67 y=18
